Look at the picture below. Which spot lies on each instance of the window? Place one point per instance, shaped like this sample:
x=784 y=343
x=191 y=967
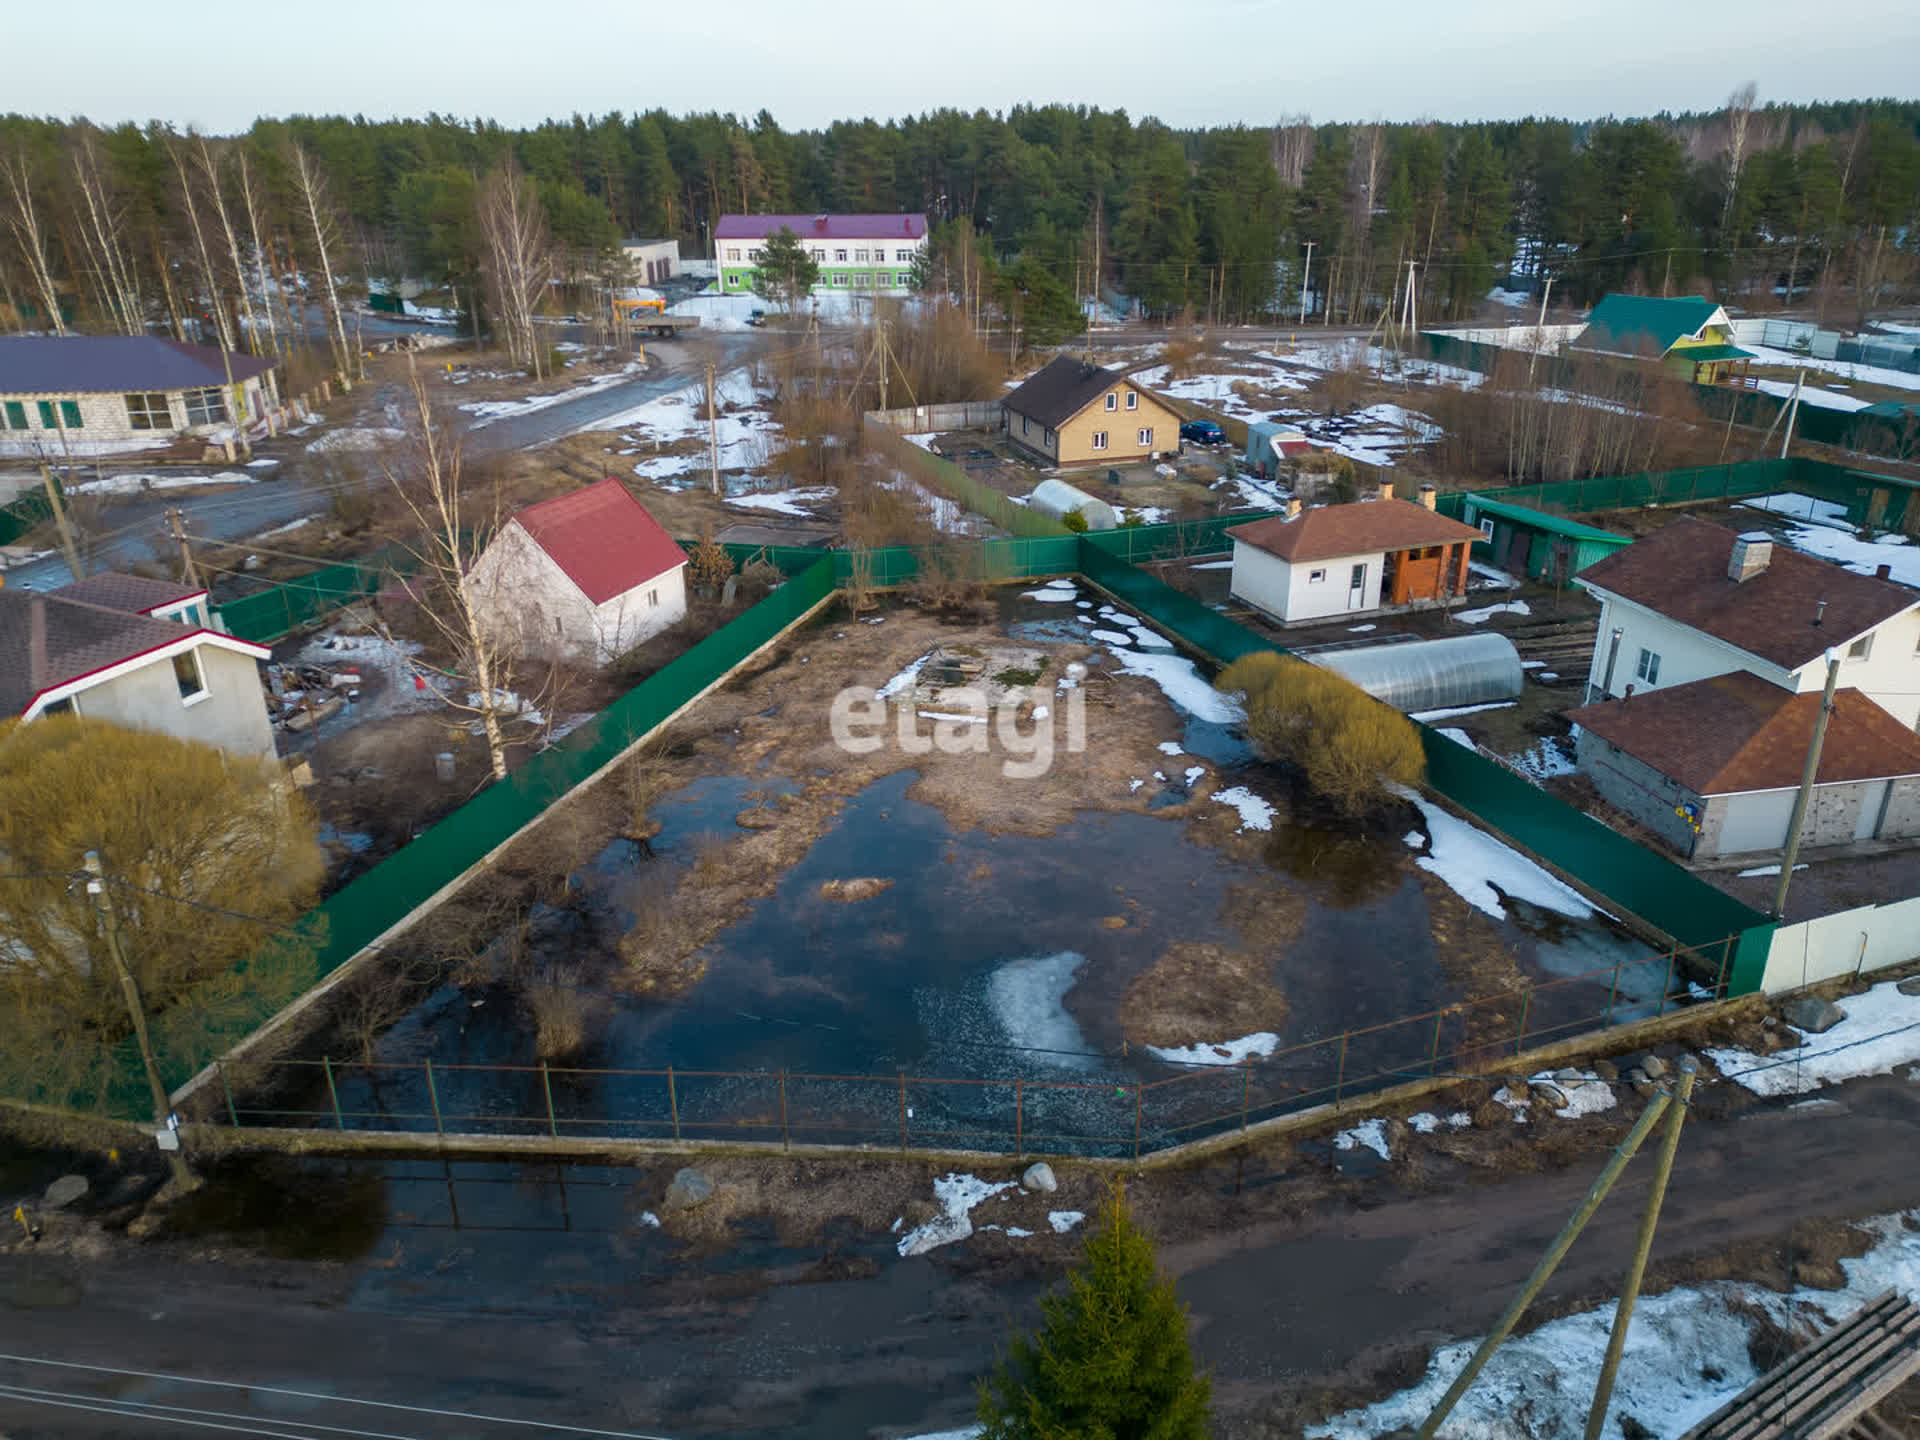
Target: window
x=16 y=415
x=862 y=280
x=70 y=414
x=1486 y=527
x=861 y=257
x=1861 y=648
x=735 y=280
x=653 y=597
x=1649 y=667
x=1113 y=400
x=1316 y=577
x=58 y=707
x=754 y=255
x=47 y=422
x=839 y=277
x=733 y=252
x=1146 y=435
x=882 y=279
x=903 y=257
x=1133 y=400
x=819 y=255
x=840 y=255
x=186 y=674
x=149 y=412
x=1047 y=439
x=1026 y=425
x=205 y=407
x=1099 y=439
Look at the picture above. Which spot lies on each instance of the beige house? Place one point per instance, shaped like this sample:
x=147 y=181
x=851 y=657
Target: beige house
x=135 y=652
x=1073 y=413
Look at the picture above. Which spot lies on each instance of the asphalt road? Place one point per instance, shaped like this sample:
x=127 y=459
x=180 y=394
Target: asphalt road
x=567 y=1309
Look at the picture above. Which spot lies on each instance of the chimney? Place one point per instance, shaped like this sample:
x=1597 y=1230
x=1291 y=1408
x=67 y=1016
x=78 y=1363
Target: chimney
x=1883 y=572
x=1293 y=507
x=1430 y=497
x=1386 y=490
x=1752 y=553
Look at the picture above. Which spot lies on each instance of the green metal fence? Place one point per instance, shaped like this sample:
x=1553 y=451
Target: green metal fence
x=23 y=514
x=272 y=614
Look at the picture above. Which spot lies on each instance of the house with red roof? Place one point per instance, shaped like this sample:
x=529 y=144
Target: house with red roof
x=135 y=652
x=582 y=577
x=867 y=253
x=1356 y=559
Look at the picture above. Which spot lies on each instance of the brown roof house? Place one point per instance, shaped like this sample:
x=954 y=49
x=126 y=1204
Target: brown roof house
x=1071 y=413
x=1712 y=766
x=136 y=652
x=1357 y=559
x=1695 y=600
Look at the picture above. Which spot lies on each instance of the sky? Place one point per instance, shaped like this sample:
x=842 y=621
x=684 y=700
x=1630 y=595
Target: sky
x=1195 y=62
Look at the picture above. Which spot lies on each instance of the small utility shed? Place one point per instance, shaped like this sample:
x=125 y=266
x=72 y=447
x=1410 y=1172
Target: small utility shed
x=1712 y=767
x=1537 y=545
x=582 y=577
x=1350 y=559
x=1691 y=338
x=1271 y=444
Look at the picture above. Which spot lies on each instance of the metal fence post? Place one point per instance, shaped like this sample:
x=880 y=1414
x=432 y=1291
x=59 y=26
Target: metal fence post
x=1136 y=1119
x=546 y=1084
x=903 y=1109
x=433 y=1096
x=1340 y=1079
x=332 y=1094
x=1019 y=1106
x=1433 y=1053
x=1520 y=1035
x=1667 y=988
x=232 y=1118
x=786 y=1141
x=673 y=1103
x=1246 y=1088
x=1612 y=991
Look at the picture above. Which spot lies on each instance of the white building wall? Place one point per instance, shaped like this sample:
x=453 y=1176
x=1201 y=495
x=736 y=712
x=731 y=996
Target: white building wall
x=527 y=602
x=627 y=620
x=1889 y=675
x=1291 y=593
x=232 y=714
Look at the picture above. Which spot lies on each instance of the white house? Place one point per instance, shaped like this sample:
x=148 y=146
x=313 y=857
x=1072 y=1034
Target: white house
x=583 y=577
x=653 y=260
x=854 y=252
x=1339 y=560
x=135 y=652
x=95 y=394
x=1695 y=600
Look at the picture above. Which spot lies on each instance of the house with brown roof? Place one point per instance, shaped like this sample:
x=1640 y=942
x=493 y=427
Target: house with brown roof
x=1072 y=413
x=139 y=653
x=1355 y=559
x=583 y=577
x=1713 y=766
x=1695 y=600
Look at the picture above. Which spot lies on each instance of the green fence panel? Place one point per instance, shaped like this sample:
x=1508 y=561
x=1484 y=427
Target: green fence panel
x=1187 y=619
x=23 y=514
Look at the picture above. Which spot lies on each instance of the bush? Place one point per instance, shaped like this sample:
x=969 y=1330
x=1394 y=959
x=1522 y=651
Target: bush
x=1074 y=521
x=1350 y=747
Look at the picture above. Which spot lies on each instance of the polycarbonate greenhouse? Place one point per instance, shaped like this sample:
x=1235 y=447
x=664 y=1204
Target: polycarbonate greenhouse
x=1431 y=674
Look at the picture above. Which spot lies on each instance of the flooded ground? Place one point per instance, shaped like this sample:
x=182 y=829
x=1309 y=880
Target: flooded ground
x=998 y=961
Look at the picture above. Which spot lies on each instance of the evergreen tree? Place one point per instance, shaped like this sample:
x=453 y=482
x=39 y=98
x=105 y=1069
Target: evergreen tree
x=787 y=272
x=1111 y=1360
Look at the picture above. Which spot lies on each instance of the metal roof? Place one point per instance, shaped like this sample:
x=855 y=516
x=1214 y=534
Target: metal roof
x=1475 y=505
x=822 y=227
x=115 y=365
x=603 y=539
x=1703 y=353
x=1061 y=389
x=1645 y=324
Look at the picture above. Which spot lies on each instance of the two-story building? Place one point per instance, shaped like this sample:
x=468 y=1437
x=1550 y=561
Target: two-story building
x=139 y=653
x=1069 y=412
x=874 y=254
x=1688 y=337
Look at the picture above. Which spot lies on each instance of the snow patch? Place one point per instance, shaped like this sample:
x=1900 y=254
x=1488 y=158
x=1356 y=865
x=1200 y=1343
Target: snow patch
x=1181 y=683
x=1487 y=612
x=958 y=1194
x=1472 y=863
x=784 y=502
x=1222 y=1052
x=1255 y=813
x=1028 y=997
x=1064 y=1220
x=1880 y=1034
x=1448 y=713
x=1368 y=1134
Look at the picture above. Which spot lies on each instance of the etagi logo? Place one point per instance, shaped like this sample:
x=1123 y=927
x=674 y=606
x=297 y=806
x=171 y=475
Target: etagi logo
x=966 y=723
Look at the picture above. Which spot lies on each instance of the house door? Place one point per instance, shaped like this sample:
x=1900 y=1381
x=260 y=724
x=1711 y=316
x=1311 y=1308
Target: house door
x=1357 y=588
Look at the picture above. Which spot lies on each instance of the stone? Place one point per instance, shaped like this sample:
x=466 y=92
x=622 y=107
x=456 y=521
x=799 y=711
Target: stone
x=1909 y=986
x=1645 y=1088
x=1039 y=1178
x=1653 y=1067
x=1548 y=1094
x=1812 y=1014
x=1606 y=1069
x=689 y=1189
x=1567 y=1074
x=64 y=1191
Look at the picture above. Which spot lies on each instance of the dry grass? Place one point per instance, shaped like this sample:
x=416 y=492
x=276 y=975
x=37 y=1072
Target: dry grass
x=562 y=1015
x=863 y=887
x=1197 y=992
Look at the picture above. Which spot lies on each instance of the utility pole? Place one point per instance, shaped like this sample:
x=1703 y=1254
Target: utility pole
x=177 y=527
x=1412 y=309
x=1643 y=1243
x=1533 y=350
x=136 y=1012
x=1306 y=274
x=713 y=435
x=1805 y=797
x=60 y=519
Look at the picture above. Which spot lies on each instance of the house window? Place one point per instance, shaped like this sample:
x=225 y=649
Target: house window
x=70 y=414
x=57 y=707
x=1316 y=577
x=1026 y=425
x=1649 y=667
x=16 y=415
x=1146 y=435
x=1099 y=439
x=47 y=422
x=206 y=407
x=861 y=257
x=1133 y=400
x=186 y=674
x=839 y=277
x=754 y=255
x=840 y=255
x=1113 y=400
x=819 y=255
x=653 y=597
x=1486 y=527
x=862 y=280
x=149 y=412
x=1861 y=648
x=733 y=252
x=1047 y=439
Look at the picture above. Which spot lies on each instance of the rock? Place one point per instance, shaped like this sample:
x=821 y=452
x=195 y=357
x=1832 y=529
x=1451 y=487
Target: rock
x=1606 y=1069
x=64 y=1191
x=1568 y=1075
x=1909 y=986
x=1653 y=1067
x=1812 y=1014
x=689 y=1189
x=1548 y=1094
x=1039 y=1178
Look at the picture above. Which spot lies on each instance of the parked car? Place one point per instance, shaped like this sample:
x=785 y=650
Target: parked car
x=1202 y=432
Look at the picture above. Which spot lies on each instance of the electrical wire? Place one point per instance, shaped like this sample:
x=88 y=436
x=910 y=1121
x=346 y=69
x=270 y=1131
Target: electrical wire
x=177 y=1414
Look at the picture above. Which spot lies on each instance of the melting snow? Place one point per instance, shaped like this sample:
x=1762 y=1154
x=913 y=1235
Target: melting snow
x=1055 y=591
x=1487 y=612
x=1372 y=1134
x=134 y=484
x=1449 y=712
x=1255 y=813
x=784 y=502
x=1170 y=747
x=1766 y=870
x=957 y=1194
x=1028 y=997
x=1181 y=683
x=1224 y=1052
x=1881 y=1033
x=1472 y=862
x=905 y=679
x=1064 y=1220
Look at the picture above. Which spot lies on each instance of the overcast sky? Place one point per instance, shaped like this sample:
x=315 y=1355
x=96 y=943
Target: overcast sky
x=1189 y=62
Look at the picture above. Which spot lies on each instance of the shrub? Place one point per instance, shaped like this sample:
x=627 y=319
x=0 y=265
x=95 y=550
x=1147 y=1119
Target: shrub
x=1350 y=747
x=709 y=565
x=1074 y=521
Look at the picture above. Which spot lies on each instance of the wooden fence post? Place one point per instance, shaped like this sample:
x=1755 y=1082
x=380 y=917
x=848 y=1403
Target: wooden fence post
x=673 y=1102
x=546 y=1085
x=433 y=1095
x=332 y=1094
x=233 y=1118
x=1340 y=1079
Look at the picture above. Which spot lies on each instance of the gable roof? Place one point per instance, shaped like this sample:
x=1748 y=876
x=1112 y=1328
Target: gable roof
x=822 y=227
x=602 y=539
x=134 y=594
x=1738 y=732
x=1061 y=389
x=1364 y=527
x=1644 y=324
x=47 y=641
x=1680 y=571
x=1475 y=505
x=115 y=364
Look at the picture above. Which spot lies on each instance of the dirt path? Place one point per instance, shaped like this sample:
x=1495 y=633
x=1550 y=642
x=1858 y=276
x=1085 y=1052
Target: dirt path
x=1308 y=1290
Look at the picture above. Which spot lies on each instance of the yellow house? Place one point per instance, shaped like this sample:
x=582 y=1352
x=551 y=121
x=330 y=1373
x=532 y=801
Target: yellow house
x=1691 y=338
x=1073 y=413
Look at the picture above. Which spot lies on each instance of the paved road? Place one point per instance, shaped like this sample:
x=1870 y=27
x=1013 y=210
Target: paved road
x=604 y=1324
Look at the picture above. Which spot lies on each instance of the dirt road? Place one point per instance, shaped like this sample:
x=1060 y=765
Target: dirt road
x=553 y=1299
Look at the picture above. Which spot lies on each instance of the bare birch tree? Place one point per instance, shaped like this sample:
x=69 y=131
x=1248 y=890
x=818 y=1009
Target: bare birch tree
x=1739 y=113
x=310 y=192
x=211 y=169
x=102 y=222
x=254 y=202
x=519 y=258
x=25 y=224
x=209 y=273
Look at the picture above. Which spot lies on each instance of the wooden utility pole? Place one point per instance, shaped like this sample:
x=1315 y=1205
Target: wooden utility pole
x=713 y=435
x=1533 y=350
x=177 y=527
x=1805 y=796
x=1793 y=410
x=60 y=520
x=136 y=1012
x=1306 y=274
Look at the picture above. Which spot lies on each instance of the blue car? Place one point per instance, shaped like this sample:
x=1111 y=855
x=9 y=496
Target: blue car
x=1202 y=432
